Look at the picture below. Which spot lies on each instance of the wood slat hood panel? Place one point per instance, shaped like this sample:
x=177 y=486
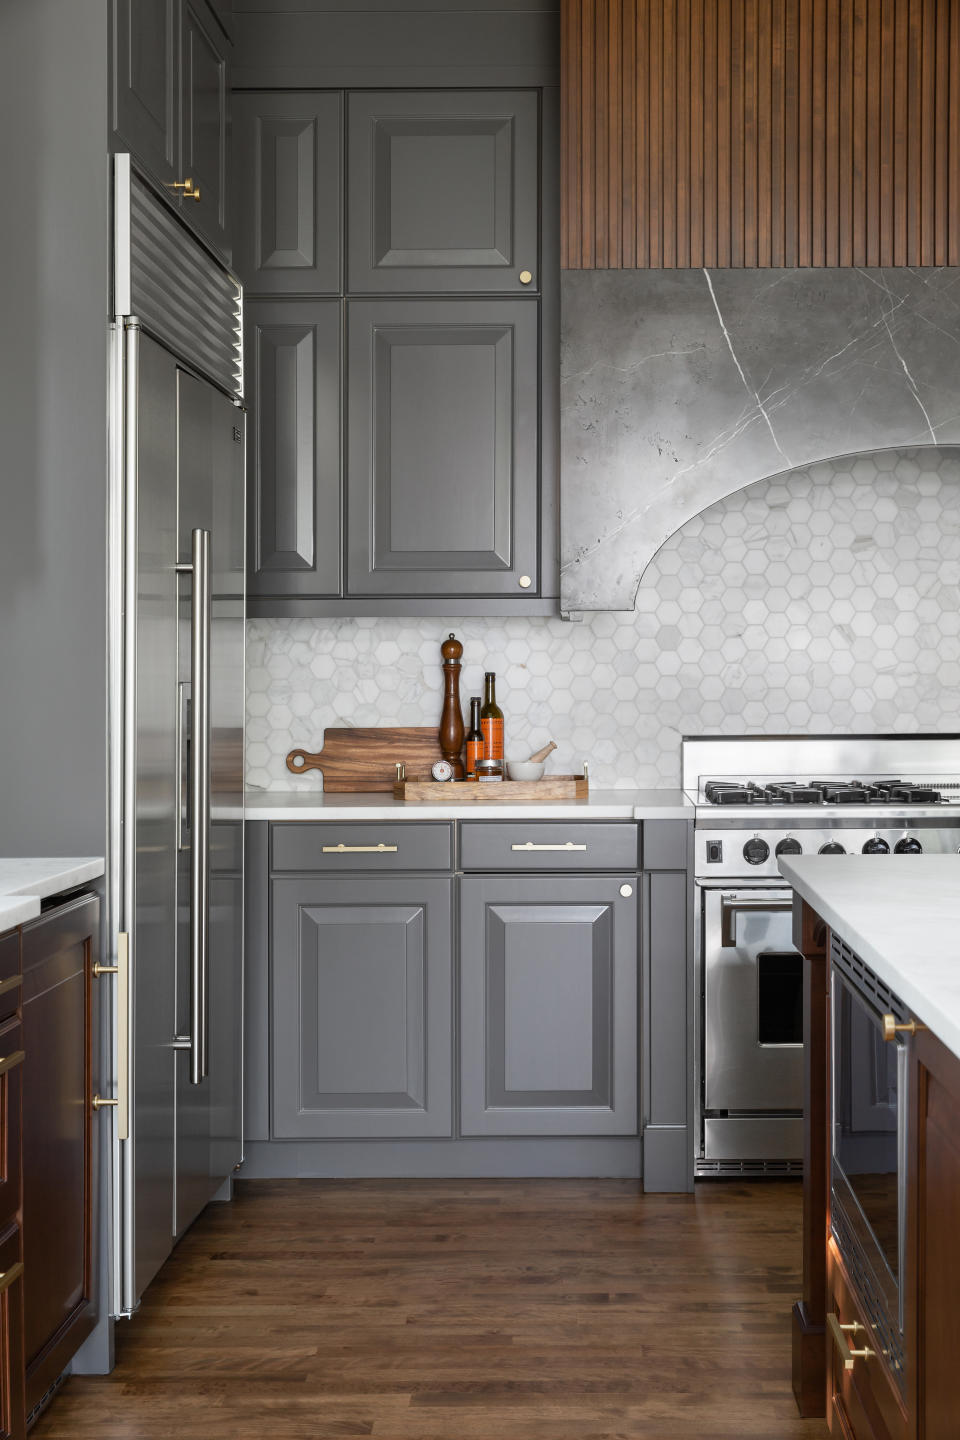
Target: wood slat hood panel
x=760 y=133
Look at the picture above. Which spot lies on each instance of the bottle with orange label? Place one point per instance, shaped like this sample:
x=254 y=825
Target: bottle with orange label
x=491 y=719
x=474 y=738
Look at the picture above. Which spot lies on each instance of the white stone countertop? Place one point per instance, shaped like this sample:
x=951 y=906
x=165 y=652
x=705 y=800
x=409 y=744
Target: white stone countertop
x=901 y=914
x=600 y=805
x=25 y=882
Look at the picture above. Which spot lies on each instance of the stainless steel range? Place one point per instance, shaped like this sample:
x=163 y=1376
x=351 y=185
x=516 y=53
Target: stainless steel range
x=756 y=799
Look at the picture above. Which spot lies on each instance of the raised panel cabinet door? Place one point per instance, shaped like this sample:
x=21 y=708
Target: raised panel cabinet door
x=293 y=389
x=144 y=104
x=362 y=1022
x=443 y=191
x=204 y=92
x=548 y=1006
x=442 y=487
x=287 y=188
x=59 y=1138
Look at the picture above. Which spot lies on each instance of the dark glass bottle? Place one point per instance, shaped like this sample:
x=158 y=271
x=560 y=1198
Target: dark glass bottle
x=474 y=738
x=491 y=719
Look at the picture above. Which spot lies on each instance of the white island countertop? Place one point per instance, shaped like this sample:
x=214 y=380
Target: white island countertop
x=901 y=914
x=600 y=805
x=24 y=882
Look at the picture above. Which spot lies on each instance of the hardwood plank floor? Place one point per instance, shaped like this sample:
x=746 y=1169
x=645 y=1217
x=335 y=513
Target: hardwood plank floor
x=462 y=1310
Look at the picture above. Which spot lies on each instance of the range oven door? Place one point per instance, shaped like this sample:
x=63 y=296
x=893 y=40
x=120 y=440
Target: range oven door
x=753 y=1025
x=868 y=1165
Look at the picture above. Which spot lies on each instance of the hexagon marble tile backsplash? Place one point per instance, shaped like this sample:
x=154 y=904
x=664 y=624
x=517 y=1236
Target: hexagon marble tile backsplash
x=824 y=600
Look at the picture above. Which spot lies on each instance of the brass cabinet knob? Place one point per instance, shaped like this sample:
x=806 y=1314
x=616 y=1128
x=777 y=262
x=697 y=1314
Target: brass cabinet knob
x=524 y=582
x=526 y=276
x=891 y=1027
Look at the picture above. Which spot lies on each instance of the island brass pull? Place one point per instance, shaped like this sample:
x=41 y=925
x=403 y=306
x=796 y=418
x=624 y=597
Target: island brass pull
x=190 y=192
x=7 y=1277
x=529 y=845
x=10 y=1062
x=13 y=983
x=99 y=969
x=839 y=1338
x=342 y=849
x=891 y=1027
x=99 y=1102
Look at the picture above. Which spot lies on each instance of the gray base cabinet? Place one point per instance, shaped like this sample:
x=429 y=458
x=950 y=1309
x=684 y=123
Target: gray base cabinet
x=548 y=1005
x=362 y=1020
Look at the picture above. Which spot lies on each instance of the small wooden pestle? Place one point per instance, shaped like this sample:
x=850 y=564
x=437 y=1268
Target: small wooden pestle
x=542 y=754
x=451 y=716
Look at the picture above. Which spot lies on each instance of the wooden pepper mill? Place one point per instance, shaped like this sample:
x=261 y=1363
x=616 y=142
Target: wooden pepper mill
x=451 y=716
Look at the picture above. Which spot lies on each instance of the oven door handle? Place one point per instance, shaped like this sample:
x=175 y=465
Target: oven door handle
x=731 y=907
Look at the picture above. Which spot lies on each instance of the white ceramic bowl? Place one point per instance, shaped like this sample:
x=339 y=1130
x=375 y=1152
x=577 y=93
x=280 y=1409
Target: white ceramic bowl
x=525 y=769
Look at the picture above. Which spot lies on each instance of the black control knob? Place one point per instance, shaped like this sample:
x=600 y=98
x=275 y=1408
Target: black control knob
x=789 y=846
x=909 y=845
x=832 y=847
x=756 y=851
x=876 y=846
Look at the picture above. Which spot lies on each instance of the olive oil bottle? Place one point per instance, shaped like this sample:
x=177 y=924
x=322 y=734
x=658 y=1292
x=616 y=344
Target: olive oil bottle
x=491 y=719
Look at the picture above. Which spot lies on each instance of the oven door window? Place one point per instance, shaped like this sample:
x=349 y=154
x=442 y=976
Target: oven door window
x=780 y=997
x=867 y=1078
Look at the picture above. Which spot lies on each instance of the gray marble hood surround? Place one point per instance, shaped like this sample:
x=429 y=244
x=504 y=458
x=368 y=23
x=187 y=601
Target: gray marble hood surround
x=680 y=387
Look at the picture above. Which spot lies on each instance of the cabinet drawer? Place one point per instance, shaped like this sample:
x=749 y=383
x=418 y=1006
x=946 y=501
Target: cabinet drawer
x=567 y=845
x=865 y=1397
x=11 y=980
x=409 y=845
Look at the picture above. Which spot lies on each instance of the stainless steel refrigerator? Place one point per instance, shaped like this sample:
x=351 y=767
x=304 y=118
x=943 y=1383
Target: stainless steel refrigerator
x=176 y=729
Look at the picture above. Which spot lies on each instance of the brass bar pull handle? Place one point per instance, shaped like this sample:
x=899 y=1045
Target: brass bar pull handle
x=839 y=1338
x=8 y=1277
x=529 y=845
x=10 y=1062
x=99 y=1102
x=342 y=849
x=13 y=983
x=892 y=1027
x=99 y=969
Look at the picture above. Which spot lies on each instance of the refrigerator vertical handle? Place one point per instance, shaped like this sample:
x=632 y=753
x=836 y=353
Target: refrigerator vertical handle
x=200 y=803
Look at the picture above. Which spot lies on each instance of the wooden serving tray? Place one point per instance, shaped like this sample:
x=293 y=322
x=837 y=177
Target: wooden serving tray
x=423 y=791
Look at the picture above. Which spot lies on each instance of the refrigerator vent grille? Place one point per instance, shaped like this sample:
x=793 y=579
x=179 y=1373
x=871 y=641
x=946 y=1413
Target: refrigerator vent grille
x=181 y=294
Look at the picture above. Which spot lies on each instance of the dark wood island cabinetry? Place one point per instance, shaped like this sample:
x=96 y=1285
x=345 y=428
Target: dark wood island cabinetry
x=875 y=1342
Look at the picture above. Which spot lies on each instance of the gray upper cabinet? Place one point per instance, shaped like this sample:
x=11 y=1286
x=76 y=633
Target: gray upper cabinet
x=204 y=88
x=442 y=445
x=362 y=1021
x=548 y=1006
x=293 y=389
x=144 y=103
x=170 y=85
x=443 y=191
x=287 y=184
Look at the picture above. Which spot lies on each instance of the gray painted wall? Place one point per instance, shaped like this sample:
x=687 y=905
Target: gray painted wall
x=679 y=387
x=53 y=400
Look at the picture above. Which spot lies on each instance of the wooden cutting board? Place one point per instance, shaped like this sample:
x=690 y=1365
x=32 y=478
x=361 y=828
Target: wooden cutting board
x=366 y=759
